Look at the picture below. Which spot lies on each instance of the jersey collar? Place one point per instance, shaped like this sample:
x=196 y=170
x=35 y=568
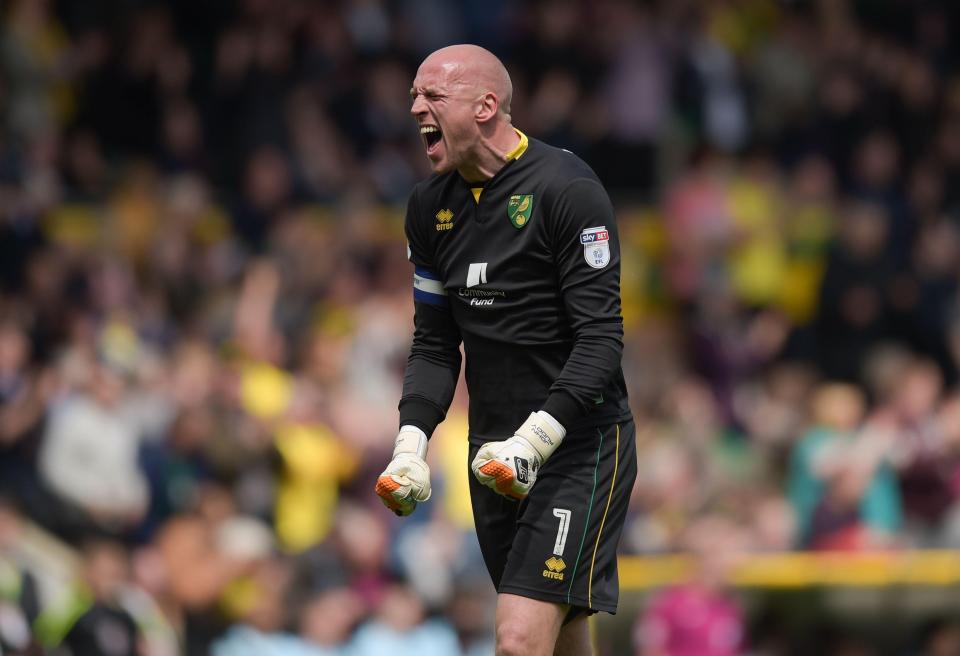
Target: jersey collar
x=477 y=188
x=521 y=147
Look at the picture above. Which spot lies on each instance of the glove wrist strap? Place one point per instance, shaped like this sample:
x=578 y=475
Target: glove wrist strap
x=411 y=440
x=543 y=432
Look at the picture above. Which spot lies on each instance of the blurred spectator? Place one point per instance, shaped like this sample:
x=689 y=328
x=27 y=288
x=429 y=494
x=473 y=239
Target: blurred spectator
x=631 y=104
x=783 y=73
x=199 y=558
x=400 y=623
x=758 y=259
x=89 y=457
x=700 y=617
x=95 y=622
x=36 y=63
x=841 y=484
x=363 y=542
x=854 y=295
x=920 y=450
x=927 y=296
x=711 y=87
x=267 y=187
x=699 y=228
x=328 y=620
x=315 y=461
x=25 y=390
x=809 y=224
x=19 y=601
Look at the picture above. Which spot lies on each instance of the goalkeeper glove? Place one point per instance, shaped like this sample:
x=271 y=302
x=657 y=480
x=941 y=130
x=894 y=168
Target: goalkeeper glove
x=510 y=467
x=406 y=480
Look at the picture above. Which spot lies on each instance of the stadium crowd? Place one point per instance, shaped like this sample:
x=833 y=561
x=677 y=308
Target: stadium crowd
x=205 y=303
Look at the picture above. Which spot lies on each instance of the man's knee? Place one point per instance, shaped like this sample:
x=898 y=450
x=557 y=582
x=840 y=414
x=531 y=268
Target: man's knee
x=527 y=627
x=513 y=639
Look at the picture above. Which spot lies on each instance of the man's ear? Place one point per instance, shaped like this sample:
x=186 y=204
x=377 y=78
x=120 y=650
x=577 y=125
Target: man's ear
x=487 y=107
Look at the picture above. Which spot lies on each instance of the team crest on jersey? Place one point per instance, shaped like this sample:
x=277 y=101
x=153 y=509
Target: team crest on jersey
x=596 y=246
x=519 y=209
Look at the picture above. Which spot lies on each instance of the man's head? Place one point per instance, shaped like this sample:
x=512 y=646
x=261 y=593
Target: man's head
x=461 y=101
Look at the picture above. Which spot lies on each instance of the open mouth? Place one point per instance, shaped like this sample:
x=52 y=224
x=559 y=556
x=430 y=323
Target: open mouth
x=431 y=136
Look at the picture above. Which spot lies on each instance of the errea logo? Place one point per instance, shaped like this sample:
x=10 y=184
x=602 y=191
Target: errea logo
x=555 y=567
x=444 y=219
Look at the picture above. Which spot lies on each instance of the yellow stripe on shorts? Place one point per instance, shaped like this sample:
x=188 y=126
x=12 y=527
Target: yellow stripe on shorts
x=616 y=458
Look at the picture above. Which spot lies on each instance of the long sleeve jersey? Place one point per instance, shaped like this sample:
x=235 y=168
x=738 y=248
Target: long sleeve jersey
x=525 y=272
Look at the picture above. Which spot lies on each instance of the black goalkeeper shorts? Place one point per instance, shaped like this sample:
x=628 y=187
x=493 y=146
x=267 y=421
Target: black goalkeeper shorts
x=560 y=543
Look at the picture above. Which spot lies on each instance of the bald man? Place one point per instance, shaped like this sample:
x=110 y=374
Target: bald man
x=516 y=256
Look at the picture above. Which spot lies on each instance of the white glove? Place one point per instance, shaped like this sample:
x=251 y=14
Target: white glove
x=510 y=467
x=406 y=480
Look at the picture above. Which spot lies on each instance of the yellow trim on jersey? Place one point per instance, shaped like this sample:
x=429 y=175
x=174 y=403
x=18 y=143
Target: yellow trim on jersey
x=516 y=153
x=616 y=457
x=521 y=148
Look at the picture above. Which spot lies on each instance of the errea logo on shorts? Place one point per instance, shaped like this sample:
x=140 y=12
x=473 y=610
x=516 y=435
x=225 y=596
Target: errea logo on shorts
x=555 y=567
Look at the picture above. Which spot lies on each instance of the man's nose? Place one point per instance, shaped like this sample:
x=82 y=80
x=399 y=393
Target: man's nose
x=419 y=106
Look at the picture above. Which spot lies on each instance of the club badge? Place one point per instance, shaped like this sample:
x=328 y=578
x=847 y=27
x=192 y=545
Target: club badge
x=519 y=209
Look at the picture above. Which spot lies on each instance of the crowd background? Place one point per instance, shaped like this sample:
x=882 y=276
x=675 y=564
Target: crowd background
x=205 y=308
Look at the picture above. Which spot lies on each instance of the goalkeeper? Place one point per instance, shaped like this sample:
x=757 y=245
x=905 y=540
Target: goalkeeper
x=516 y=256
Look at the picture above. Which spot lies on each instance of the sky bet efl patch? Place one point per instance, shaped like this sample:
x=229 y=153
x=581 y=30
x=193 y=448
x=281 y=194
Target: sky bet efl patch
x=596 y=246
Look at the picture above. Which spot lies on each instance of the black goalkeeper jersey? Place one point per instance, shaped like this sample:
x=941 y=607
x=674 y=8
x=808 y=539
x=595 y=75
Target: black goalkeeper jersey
x=526 y=273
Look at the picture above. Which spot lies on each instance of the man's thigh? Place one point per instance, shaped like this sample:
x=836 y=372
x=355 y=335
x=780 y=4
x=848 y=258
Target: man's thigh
x=559 y=545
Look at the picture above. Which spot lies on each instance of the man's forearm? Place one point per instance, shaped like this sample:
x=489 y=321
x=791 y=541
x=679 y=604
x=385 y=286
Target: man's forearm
x=594 y=359
x=433 y=368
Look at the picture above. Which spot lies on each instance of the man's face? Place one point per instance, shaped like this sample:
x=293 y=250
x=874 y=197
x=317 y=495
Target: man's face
x=444 y=106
